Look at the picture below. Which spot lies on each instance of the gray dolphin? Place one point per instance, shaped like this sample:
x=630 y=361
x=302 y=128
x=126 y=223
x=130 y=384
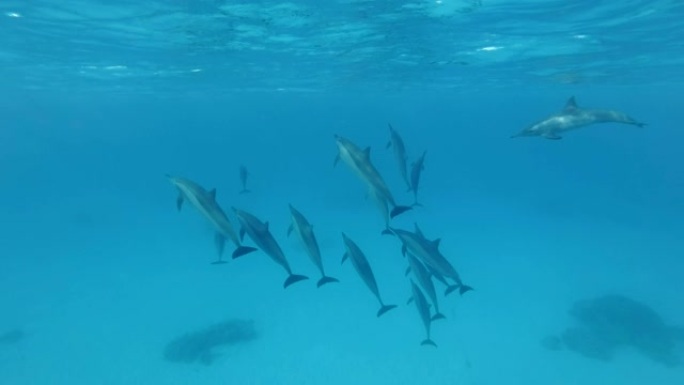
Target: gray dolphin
x=305 y=231
x=364 y=270
x=573 y=117
x=399 y=148
x=244 y=174
x=359 y=161
x=416 y=170
x=428 y=252
x=425 y=281
x=424 y=312
x=205 y=202
x=259 y=233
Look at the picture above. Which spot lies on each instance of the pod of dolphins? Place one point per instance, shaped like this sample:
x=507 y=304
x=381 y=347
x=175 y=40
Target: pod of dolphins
x=425 y=261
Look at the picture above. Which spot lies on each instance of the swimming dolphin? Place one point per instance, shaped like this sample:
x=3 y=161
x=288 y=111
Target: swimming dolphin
x=305 y=231
x=397 y=145
x=428 y=252
x=425 y=281
x=416 y=170
x=573 y=117
x=259 y=233
x=205 y=202
x=364 y=270
x=359 y=161
x=243 y=179
x=424 y=312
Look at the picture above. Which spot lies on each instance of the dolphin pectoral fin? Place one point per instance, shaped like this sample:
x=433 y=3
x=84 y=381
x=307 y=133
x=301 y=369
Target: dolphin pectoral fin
x=325 y=280
x=552 y=136
x=289 y=229
x=385 y=308
x=293 y=278
x=212 y=194
x=245 y=191
x=179 y=201
x=409 y=300
x=242 y=233
x=428 y=342
x=220 y=242
x=403 y=250
x=344 y=258
x=386 y=232
x=399 y=210
x=407 y=271
x=243 y=250
x=389 y=144
x=337 y=160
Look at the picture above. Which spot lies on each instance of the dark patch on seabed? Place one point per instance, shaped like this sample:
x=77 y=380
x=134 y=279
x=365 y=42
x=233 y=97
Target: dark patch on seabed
x=12 y=337
x=610 y=323
x=202 y=346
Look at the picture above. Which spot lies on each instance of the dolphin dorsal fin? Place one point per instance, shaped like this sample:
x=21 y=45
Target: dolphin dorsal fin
x=212 y=193
x=570 y=105
x=366 y=151
x=436 y=242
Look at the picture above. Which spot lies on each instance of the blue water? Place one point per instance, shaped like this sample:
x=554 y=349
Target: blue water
x=99 y=271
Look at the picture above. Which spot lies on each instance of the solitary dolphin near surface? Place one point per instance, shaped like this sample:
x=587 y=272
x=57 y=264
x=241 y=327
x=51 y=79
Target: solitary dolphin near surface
x=359 y=161
x=205 y=202
x=424 y=312
x=305 y=231
x=397 y=145
x=364 y=270
x=259 y=233
x=573 y=117
x=428 y=252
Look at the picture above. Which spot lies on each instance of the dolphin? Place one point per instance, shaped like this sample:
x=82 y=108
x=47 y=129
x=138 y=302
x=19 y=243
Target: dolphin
x=428 y=252
x=364 y=270
x=424 y=312
x=259 y=233
x=243 y=179
x=397 y=145
x=305 y=231
x=573 y=117
x=425 y=281
x=359 y=161
x=205 y=202
x=416 y=170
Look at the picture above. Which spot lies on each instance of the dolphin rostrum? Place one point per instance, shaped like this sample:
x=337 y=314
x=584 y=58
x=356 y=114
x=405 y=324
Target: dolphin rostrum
x=428 y=252
x=416 y=170
x=259 y=233
x=364 y=270
x=205 y=202
x=424 y=312
x=305 y=231
x=573 y=117
x=399 y=149
x=359 y=161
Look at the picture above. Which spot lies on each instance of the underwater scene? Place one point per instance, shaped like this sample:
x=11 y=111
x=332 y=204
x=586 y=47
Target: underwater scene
x=447 y=192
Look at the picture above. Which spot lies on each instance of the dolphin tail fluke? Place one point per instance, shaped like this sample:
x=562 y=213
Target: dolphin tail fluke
x=387 y=232
x=464 y=289
x=294 y=278
x=451 y=289
x=219 y=262
x=399 y=210
x=325 y=280
x=428 y=342
x=245 y=191
x=385 y=308
x=438 y=316
x=243 y=250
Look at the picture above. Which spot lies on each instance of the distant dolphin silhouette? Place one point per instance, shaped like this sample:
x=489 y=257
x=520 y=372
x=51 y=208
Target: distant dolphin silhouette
x=573 y=117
